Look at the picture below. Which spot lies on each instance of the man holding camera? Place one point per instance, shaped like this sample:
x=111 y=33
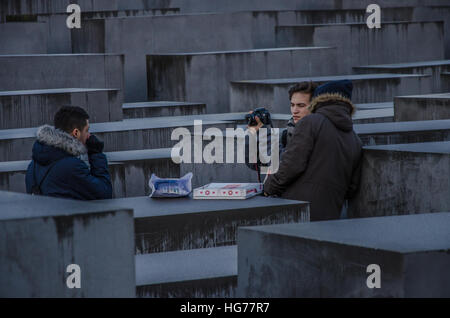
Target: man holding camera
x=322 y=161
x=68 y=161
x=300 y=97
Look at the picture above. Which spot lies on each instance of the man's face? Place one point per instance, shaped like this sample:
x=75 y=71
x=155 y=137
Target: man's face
x=299 y=105
x=82 y=135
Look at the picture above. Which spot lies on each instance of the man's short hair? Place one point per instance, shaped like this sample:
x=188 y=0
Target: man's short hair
x=70 y=117
x=303 y=87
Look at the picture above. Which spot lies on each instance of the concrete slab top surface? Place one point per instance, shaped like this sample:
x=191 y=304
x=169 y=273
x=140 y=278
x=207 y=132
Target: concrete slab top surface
x=402 y=127
x=186 y=265
x=440 y=147
x=14 y=206
x=373 y=113
x=58 y=55
x=55 y=91
x=374 y=105
x=400 y=234
x=351 y=77
x=158 y=104
x=124 y=125
x=149 y=207
x=363 y=24
x=409 y=64
x=114 y=158
x=294 y=48
x=427 y=96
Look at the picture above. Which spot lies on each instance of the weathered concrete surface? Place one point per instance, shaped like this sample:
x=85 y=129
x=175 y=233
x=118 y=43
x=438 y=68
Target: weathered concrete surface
x=403 y=179
x=60 y=37
x=26 y=72
x=403 y=132
x=365 y=116
x=33 y=7
x=367 y=88
x=445 y=81
x=171 y=224
x=21 y=109
x=139 y=36
x=422 y=107
x=196 y=273
x=358 y=45
x=229 y=5
x=433 y=68
x=129 y=134
x=41 y=236
x=130 y=171
x=330 y=259
x=364 y=106
x=23 y=38
x=189 y=76
x=157 y=109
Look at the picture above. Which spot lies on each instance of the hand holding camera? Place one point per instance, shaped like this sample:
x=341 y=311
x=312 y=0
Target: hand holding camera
x=258 y=118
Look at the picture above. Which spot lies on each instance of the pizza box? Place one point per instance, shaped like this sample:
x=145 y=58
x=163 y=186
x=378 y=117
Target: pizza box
x=228 y=191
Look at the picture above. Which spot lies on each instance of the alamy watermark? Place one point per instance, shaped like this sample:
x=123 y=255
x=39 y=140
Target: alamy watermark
x=190 y=148
x=74 y=20
x=74 y=279
x=374 y=20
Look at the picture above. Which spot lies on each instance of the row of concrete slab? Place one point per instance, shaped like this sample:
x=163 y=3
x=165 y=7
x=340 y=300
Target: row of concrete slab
x=190 y=250
x=55 y=80
x=350 y=43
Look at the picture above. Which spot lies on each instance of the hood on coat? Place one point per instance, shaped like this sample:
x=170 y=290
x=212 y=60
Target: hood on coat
x=53 y=144
x=337 y=108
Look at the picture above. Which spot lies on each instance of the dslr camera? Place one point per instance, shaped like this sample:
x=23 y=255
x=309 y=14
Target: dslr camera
x=263 y=115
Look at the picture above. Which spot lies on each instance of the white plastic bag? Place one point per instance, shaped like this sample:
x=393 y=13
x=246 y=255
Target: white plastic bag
x=170 y=187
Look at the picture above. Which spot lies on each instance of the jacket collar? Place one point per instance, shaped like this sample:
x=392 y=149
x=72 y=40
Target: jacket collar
x=328 y=98
x=57 y=138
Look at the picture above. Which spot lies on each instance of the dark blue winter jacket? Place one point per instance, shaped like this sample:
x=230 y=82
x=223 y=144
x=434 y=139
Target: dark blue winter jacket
x=73 y=174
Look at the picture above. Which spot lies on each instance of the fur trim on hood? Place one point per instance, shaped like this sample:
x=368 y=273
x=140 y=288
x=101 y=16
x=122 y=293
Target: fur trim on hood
x=329 y=98
x=51 y=136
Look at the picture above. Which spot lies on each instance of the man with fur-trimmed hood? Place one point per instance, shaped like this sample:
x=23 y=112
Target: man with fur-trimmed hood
x=322 y=161
x=68 y=161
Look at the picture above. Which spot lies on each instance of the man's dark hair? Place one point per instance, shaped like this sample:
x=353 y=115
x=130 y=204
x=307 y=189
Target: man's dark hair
x=70 y=117
x=303 y=87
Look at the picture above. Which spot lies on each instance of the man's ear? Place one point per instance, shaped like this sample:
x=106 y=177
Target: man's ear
x=75 y=133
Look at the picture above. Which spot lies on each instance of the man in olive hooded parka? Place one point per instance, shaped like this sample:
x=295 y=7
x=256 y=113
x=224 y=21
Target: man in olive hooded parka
x=322 y=162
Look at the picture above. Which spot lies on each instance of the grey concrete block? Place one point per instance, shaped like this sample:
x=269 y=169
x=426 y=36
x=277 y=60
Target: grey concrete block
x=23 y=38
x=197 y=273
x=27 y=72
x=403 y=179
x=171 y=224
x=158 y=109
x=129 y=134
x=422 y=107
x=365 y=116
x=34 y=7
x=330 y=259
x=160 y=34
x=41 y=236
x=367 y=88
x=20 y=109
x=433 y=68
x=188 y=76
x=374 y=105
x=403 y=132
x=230 y=5
x=130 y=171
x=358 y=45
